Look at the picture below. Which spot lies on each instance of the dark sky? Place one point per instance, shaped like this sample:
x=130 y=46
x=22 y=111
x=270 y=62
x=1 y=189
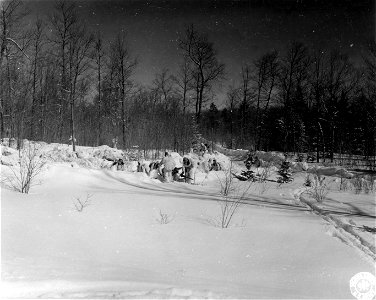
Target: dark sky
x=241 y=30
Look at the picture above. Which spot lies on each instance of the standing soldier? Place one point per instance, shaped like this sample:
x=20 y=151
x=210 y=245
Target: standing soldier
x=168 y=165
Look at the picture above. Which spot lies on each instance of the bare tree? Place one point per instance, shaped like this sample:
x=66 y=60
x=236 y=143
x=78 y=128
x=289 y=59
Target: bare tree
x=124 y=65
x=37 y=44
x=203 y=56
x=246 y=96
x=233 y=99
x=183 y=79
x=370 y=64
x=11 y=14
x=163 y=86
x=184 y=82
x=63 y=21
x=99 y=57
x=268 y=70
x=293 y=66
x=340 y=81
x=369 y=87
x=79 y=46
x=317 y=81
x=10 y=18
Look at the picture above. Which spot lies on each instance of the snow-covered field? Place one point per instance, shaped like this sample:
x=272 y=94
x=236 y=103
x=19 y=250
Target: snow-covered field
x=118 y=246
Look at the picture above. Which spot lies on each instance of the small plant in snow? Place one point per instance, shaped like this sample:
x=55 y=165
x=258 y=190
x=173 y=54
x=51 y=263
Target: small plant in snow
x=365 y=185
x=23 y=175
x=265 y=171
x=164 y=218
x=308 y=181
x=343 y=184
x=80 y=204
x=232 y=197
x=358 y=184
x=319 y=188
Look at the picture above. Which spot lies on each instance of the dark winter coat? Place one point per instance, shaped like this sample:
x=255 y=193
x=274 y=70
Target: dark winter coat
x=187 y=163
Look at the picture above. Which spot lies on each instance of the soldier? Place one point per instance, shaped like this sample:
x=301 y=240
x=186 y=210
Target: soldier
x=188 y=167
x=168 y=165
x=249 y=161
x=215 y=165
x=119 y=164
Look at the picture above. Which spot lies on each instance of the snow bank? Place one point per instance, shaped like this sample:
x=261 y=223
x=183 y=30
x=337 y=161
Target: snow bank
x=202 y=165
x=89 y=157
x=9 y=156
x=229 y=152
x=275 y=157
x=299 y=166
x=331 y=171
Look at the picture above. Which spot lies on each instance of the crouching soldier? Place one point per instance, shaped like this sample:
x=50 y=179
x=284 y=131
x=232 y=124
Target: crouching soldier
x=143 y=167
x=249 y=161
x=168 y=165
x=139 y=167
x=215 y=166
x=188 y=168
x=119 y=164
x=177 y=174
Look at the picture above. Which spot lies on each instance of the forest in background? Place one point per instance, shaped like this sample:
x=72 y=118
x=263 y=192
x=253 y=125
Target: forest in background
x=58 y=80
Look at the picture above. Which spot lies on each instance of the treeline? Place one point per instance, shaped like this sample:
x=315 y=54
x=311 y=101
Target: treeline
x=59 y=82
x=301 y=100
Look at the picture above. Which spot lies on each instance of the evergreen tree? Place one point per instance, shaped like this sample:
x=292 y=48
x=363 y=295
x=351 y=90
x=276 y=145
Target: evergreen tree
x=284 y=172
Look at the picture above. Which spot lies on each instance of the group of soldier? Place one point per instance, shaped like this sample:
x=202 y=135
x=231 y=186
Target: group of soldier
x=168 y=169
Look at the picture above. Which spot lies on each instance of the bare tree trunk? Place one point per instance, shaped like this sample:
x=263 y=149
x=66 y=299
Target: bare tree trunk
x=201 y=97
x=62 y=95
x=10 y=100
x=123 y=123
x=264 y=112
x=99 y=134
x=71 y=101
x=98 y=56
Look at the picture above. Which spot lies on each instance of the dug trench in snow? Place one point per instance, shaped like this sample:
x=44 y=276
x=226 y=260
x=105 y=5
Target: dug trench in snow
x=189 y=193
x=342 y=231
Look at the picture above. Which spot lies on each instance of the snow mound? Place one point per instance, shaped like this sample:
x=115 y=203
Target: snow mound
x=202 y=163
x=7 y=151
x=275 y=157
x=331 y=171
x=299 y=166
x=84 y=156
x=108 y=153
x=230 y=152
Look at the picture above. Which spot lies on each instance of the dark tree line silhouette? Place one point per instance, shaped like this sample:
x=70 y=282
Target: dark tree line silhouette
x=61 y=83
